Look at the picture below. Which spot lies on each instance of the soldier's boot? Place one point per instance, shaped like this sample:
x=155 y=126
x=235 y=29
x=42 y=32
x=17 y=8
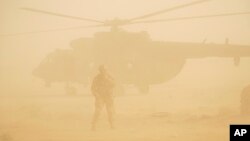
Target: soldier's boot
x=93 y=127
x=93 y=123
x=112 y=126
x=111 y=123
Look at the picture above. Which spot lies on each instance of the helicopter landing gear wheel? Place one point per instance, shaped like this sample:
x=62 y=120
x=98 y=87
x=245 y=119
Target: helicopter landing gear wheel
x=143 y=88
x=47 y=84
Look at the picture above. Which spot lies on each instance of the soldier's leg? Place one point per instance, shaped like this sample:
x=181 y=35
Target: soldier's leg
x=99 y=103
x=110 y=110
x=245 y=101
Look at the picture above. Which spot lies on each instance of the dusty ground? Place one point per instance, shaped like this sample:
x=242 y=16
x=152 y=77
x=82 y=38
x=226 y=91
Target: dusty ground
x=67 y=118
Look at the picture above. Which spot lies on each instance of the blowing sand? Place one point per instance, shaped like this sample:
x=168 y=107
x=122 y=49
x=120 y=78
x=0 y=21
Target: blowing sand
x=149 y=117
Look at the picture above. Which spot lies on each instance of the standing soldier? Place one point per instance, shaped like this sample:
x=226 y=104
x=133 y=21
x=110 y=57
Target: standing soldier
x=102 y=88
x=245 y=101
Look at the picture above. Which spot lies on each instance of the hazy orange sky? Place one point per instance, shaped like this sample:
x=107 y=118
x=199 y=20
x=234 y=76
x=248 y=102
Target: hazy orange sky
x=236 y=28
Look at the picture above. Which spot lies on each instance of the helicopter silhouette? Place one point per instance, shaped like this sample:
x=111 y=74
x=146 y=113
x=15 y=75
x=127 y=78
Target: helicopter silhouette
x=132 y=57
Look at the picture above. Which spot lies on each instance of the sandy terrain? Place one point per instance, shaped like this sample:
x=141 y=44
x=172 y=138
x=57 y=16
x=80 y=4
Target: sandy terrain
x=67 y=118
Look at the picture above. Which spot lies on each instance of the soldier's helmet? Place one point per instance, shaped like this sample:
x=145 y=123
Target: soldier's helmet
x=102 y=69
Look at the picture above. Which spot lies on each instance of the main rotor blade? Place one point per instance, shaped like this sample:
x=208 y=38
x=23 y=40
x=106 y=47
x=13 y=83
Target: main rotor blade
x=52 y=30
x=167 y=10
x=191 y=17
x=61 y=15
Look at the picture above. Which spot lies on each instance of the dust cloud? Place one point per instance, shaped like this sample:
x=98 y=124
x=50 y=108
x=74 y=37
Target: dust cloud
x=181 y=79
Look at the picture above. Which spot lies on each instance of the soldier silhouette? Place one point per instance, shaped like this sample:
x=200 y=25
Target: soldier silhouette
x=102 y=89
x=245 y=101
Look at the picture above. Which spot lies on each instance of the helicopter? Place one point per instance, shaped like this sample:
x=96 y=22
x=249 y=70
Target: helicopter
x=132 y=57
